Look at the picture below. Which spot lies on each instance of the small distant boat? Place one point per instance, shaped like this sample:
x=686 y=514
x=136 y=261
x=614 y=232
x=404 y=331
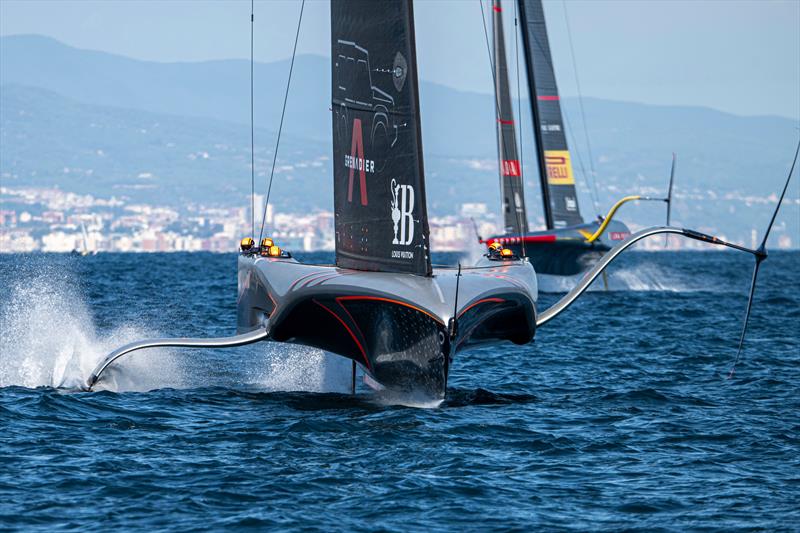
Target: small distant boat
x=84 y=249
x=383 y=305
x=569 y=245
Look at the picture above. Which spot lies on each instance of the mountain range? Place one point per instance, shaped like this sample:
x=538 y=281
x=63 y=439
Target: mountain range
x=95 y=122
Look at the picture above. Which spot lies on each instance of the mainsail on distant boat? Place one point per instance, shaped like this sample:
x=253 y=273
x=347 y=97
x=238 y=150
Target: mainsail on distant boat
x=84 y=249
x=383 y=305
x=568 y=245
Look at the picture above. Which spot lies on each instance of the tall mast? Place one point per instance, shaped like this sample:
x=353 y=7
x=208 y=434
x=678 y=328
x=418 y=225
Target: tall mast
x=511 y=181
x=559 y=196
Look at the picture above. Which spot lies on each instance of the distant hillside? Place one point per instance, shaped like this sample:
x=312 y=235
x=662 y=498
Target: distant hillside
x=170 y=132
x=48 y=139
x=717 y=149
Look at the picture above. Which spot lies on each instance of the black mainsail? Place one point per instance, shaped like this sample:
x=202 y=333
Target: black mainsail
x=511 y=182
x=379 y=187
x=555 y=167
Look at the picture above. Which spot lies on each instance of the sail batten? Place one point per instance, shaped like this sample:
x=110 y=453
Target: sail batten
x=379 y=188
x=515 y=219
x=555 y=164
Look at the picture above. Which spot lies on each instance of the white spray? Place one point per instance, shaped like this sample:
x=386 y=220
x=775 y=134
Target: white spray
x=48 y=338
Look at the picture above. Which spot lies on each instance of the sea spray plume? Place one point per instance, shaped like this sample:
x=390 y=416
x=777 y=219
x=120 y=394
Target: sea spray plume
x=299 y=368
x=48 y=337
x=43 y=324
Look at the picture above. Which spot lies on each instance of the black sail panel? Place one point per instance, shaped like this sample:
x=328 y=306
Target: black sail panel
x=555 y=164
x=514 y=216
x=379 y=188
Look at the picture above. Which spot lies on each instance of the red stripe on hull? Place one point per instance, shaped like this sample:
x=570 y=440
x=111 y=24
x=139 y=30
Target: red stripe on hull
x=350 y=331
x=485 y=300
x=379 y=299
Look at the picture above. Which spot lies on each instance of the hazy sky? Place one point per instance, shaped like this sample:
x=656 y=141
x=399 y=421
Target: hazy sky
x=740 y=56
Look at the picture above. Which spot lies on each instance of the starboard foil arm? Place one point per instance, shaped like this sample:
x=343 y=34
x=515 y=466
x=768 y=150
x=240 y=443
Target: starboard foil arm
x=185 y=342
x=759 y=253
x=568 y=299
x=612 y=254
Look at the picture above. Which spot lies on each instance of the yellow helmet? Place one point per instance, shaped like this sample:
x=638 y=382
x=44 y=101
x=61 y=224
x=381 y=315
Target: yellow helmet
x=246 y=243
x=495 y=247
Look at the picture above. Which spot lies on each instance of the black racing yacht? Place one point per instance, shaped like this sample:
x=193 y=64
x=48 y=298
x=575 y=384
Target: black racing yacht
x=569 y=245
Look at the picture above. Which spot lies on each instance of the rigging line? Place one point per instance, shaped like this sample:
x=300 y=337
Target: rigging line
x=494 y=81
x=519 y=122
x=595 y=197
x=497 y=108
x=252 y=131
x=280 y=124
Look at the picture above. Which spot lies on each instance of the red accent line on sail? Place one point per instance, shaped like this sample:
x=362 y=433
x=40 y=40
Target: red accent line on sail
x=506 y=122
x=485 y=300
x=497 y=8
x=510 y=167
x=350 y=331
x=548 y=98
x=398 y=302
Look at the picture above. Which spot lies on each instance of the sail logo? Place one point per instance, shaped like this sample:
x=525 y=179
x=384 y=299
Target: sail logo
x=402 y=206
x=559 y=167
x=510 y=167
x=357 y=161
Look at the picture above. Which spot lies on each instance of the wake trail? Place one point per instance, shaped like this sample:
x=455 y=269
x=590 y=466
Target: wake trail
x=647 y=277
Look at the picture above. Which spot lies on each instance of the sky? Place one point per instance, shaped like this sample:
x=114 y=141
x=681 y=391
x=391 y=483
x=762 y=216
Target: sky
x=739 y=56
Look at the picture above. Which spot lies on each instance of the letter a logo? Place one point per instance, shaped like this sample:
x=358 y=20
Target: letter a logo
x=357 y=160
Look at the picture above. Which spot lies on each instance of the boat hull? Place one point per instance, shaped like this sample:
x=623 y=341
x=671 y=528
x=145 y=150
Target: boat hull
x=397 y=327
x=564 y=251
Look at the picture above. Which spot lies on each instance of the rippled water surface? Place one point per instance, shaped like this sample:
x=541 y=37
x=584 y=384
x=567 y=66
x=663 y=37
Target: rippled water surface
x=619 y=415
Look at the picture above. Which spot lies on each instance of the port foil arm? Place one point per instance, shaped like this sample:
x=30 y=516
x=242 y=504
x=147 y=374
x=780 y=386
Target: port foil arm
x=218 y=342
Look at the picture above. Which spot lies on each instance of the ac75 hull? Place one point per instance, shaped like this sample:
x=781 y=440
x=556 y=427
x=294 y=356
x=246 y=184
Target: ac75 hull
x=564 y=251
x=397 y=327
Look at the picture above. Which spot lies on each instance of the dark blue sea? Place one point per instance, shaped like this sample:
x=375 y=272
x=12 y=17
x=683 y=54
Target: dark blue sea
x=619 y=416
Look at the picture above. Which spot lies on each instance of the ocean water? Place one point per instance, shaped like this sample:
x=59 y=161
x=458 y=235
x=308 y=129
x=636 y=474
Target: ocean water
x=620 y=415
